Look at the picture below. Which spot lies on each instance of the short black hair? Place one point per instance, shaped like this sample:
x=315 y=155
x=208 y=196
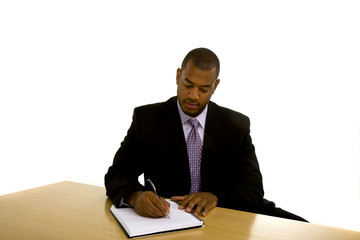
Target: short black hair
x=202 y=58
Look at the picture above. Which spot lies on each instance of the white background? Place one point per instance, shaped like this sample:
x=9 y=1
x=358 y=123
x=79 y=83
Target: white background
x=72 y=71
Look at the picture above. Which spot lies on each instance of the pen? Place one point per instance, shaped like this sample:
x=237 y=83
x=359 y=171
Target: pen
x=154 y=190
x=153 y=187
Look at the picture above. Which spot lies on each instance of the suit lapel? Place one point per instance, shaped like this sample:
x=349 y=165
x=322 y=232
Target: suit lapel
x=173 y=125
x=211 y=144
x=175 y=134
x=210 y=131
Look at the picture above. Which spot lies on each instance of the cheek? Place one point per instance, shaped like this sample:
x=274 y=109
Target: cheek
x=205 y=98
x=184 y=91
x=181 y=92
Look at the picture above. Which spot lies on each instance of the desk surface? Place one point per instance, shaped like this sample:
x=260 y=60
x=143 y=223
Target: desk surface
x=69 y=210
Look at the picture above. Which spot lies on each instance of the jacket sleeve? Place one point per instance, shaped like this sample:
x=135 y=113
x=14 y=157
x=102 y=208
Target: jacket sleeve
x=247 y=191
x=231 y=169
x=122 y=177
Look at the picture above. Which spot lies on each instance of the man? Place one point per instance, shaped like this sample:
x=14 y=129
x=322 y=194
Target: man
x=194 y=151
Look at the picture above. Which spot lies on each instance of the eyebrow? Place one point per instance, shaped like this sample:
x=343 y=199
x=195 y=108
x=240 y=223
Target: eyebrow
x=202 y=86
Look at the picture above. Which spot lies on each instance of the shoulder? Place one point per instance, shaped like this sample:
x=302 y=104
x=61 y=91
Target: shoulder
x=227 y=116
x=155 y=109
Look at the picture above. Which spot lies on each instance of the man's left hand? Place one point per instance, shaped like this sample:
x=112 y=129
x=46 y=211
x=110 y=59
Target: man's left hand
x=201 y=202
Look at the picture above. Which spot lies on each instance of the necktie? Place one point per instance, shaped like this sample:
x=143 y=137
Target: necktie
x=194 y=148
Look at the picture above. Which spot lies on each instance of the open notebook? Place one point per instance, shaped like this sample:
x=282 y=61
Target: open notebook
x=136 y=225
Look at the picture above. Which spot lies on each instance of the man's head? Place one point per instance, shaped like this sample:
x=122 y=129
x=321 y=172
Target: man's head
x=197 y=80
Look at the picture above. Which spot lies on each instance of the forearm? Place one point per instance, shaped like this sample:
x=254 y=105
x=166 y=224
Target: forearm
x=122 y=177
x=120 y=187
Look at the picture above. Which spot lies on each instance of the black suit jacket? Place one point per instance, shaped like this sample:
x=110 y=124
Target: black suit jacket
x=155 y=145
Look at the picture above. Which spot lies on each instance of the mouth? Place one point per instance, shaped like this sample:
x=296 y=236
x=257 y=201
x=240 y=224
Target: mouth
x=191 y=105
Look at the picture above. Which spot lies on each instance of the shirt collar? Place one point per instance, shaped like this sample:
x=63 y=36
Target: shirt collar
x=201 y=117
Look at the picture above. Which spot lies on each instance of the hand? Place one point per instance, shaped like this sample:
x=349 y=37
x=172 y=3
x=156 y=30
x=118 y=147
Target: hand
x=147 y=204
x=201 y=202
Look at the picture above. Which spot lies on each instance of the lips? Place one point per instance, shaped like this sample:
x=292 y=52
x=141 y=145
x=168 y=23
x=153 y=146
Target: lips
x=191 y=105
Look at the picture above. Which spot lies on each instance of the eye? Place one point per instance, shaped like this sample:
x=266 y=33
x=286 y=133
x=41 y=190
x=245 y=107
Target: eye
x=204 y=90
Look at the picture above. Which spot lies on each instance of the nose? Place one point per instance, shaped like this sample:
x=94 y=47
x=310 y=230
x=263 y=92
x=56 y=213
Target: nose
x=194 y=94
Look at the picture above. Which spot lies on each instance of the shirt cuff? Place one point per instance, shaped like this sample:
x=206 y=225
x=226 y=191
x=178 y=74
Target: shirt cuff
x=123 y=204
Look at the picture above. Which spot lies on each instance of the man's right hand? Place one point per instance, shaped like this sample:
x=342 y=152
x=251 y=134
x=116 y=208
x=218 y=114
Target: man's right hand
x=147 y=204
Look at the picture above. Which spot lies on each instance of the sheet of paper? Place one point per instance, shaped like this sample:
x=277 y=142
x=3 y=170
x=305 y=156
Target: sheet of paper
x=136 y=225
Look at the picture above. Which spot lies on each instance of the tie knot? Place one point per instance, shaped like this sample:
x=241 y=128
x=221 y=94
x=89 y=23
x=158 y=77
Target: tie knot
x=194 y=122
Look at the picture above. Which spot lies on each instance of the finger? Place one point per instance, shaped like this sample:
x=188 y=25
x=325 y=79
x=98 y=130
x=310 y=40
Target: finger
x=147 y=205
x=178 y=198
x=161 y=205
x=148 y=209
x=200 y=206
x=210 y=205
x=184 y=202
x=190 y=202
x=206 y=210
x=153 y=209
x=166 y=205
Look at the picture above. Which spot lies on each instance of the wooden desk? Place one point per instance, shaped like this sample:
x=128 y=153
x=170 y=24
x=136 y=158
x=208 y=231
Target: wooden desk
x=70 y=210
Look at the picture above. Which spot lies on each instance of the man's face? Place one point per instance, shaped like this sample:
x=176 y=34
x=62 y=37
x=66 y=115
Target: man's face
x=195 y=88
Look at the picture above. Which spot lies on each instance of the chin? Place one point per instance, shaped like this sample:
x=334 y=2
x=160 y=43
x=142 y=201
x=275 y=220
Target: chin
x=193 y=113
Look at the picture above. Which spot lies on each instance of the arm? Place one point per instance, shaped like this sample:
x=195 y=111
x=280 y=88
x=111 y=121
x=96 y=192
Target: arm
x=122 y=177
x=121 y=180
x=230 y=167
x=246 y=189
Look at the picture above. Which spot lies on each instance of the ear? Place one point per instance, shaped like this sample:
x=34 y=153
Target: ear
x=178 y=74
x=216 y=84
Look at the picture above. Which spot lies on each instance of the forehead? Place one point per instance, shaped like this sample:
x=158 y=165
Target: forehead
x=197 y=75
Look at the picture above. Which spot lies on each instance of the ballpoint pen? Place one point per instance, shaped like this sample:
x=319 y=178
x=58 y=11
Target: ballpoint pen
x=153 y=187
x=154 y=190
